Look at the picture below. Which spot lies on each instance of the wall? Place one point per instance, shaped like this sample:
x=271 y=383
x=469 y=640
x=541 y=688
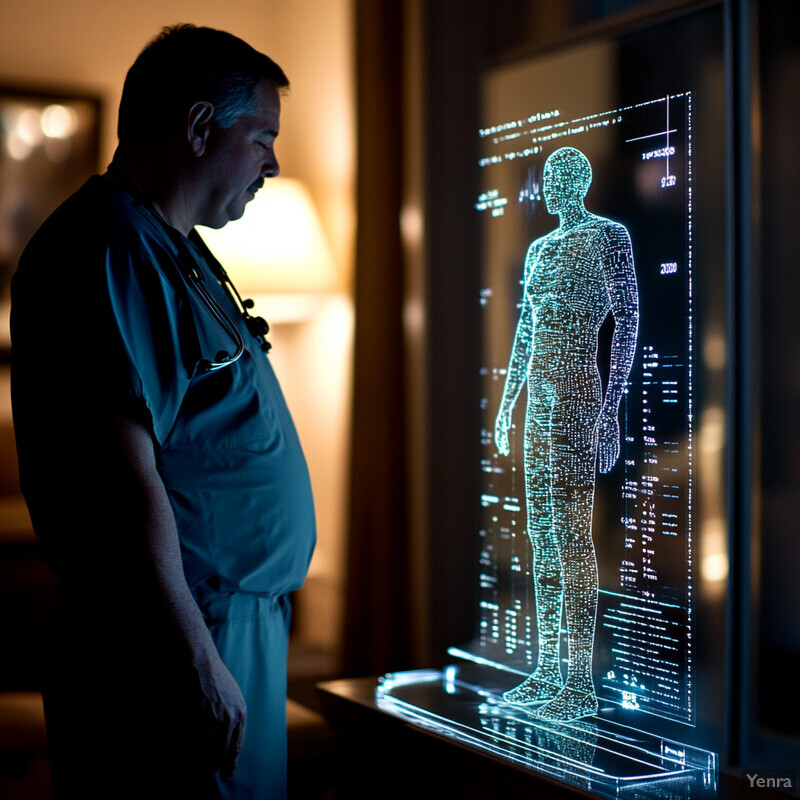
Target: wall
x=87 y=46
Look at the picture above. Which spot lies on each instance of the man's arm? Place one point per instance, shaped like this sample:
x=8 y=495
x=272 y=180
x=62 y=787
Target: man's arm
x=146 y=554
x=620 y=280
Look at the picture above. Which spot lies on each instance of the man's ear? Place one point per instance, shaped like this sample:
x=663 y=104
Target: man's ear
x=198 y=126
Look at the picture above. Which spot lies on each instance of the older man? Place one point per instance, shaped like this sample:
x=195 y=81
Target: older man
x=160 y=464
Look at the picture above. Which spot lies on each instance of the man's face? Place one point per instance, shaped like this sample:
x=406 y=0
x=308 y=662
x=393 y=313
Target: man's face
x=239 y=158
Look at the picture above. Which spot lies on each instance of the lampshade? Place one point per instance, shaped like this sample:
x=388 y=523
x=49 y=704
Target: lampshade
x=278 y=246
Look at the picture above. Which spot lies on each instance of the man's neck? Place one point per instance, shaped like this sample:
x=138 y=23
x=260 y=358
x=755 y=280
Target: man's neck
x=158 y=182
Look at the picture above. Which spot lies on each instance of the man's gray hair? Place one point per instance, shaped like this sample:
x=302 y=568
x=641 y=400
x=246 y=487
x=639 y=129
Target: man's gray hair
x=183 y=65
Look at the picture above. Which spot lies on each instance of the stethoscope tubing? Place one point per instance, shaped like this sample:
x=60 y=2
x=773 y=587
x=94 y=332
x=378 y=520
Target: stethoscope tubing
x=223 y=319
x=193 y=275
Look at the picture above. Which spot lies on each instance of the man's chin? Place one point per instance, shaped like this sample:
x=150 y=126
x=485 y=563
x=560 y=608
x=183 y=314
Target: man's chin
x=237 y=214
x=229 y=216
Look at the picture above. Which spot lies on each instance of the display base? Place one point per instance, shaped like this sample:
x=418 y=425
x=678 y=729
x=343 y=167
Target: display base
x=596 y=754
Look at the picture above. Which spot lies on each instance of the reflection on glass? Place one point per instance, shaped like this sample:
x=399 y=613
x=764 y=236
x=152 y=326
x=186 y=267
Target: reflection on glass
x=574 y=276
x=599 y=755
x=557 y=750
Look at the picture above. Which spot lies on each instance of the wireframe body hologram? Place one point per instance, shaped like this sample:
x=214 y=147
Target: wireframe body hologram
x=574 y=276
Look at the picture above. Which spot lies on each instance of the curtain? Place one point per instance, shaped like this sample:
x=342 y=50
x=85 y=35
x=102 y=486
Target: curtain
x=377 y=620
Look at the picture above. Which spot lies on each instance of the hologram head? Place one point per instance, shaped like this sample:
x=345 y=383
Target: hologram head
x=567 y=175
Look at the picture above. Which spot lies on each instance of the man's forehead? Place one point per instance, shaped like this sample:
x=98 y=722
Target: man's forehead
x=269 y=99
x=265 y=117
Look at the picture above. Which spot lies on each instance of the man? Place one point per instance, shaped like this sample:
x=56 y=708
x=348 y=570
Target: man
x=574 y=276
x=160 y=465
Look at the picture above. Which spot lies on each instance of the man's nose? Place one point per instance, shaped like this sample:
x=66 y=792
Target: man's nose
x=270 y=168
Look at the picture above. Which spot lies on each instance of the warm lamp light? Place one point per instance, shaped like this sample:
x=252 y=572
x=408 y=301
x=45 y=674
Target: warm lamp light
x=278 y=246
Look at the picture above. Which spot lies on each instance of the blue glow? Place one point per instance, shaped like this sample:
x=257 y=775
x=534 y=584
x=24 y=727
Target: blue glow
x=573 y=278
x=598 y=756
x=641 y=514
x=582 y=671
x=450 y=674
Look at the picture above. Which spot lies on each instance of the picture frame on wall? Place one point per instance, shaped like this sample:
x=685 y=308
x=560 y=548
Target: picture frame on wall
x=49 y=145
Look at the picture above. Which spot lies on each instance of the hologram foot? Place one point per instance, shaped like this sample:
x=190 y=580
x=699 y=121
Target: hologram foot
x=534 y=689
x=569 y=704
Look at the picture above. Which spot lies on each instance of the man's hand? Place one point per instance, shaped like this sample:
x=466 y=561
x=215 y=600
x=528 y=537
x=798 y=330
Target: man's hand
x=607 y=441
x=223 y=716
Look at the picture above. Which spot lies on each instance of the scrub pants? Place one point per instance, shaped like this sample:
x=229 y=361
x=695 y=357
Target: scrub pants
x=252 y=633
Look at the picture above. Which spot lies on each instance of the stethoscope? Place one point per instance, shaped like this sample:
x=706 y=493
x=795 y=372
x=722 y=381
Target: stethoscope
x=256 y=326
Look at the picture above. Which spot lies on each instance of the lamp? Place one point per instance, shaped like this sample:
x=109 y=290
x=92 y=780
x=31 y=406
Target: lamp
x=278 y=248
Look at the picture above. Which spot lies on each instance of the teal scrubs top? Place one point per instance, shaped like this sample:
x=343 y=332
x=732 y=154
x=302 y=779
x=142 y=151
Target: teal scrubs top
x=101 y=299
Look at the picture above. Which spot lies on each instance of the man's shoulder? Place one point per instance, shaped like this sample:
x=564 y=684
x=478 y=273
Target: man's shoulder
x=97 y=216
x=97 y=236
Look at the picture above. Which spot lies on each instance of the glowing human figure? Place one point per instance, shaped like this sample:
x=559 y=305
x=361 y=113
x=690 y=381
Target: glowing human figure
x=573 y=277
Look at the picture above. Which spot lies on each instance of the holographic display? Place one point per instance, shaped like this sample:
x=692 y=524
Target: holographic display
x=586 y=557
x=583 y=663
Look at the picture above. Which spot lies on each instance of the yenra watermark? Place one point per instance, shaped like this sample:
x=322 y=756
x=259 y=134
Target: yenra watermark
x=782 y=779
